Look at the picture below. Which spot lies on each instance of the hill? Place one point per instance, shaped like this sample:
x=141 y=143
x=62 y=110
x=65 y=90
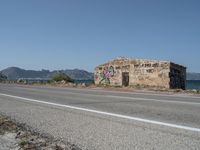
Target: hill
x=193 y=76
x=14 y=73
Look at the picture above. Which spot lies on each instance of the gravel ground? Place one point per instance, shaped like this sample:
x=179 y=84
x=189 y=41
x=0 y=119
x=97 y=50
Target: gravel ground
x=14 y=136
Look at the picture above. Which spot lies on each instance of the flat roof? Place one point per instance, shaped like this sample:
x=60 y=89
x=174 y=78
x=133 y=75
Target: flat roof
x=138 y=59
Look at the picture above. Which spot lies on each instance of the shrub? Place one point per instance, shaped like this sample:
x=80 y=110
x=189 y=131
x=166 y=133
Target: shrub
x=62 y=77
x=2 y=77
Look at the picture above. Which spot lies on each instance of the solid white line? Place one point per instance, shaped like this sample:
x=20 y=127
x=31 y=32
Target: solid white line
x=132 y=93
x=125 y=92
x=136 y=98
x=107 y=113
x=130 y=98
x=157 y=100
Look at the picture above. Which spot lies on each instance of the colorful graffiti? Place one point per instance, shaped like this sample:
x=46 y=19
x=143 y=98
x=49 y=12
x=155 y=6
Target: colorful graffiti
x=106 y=75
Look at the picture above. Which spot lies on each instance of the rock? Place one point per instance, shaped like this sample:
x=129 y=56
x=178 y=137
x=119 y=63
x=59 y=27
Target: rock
x=83 y=85
x=61 y=146
x=63 y=82
x=194 y=90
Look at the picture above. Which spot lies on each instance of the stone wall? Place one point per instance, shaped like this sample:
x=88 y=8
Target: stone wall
x=141 y=72
x=177 y=76
x=150 y=73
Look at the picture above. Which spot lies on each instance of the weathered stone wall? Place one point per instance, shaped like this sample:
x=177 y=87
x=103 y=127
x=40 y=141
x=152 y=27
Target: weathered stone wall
x=151 y=73
x=177 y=76
x=141 y=72
x=110 y=73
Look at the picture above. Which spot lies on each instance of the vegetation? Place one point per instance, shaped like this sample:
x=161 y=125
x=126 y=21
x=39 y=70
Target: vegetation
x=2 y=77
x=62 y=77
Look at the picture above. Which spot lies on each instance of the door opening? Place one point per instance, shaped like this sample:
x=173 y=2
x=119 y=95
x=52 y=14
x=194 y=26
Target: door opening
x=125 y=78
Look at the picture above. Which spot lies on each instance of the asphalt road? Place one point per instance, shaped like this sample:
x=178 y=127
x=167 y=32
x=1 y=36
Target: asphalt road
x=105 y=120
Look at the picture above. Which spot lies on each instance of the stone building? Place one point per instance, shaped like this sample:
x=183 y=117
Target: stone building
x=134 y=72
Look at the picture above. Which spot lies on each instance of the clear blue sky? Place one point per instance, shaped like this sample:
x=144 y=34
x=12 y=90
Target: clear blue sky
x=61 y=34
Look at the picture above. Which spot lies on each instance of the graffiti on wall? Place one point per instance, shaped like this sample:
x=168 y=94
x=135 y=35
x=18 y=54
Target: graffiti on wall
x=106 y=75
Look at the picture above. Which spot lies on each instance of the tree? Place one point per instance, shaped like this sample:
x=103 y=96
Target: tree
x=62 y=77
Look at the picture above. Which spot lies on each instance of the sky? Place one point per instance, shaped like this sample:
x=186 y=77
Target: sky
x=68 y=34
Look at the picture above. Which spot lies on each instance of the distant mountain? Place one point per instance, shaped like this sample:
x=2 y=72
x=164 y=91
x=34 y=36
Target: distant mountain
x=76 y=74
x=14 y=73
x=79 y=74
x=193 y=76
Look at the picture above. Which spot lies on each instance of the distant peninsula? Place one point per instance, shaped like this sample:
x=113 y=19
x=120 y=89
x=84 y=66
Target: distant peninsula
x=193 y=76
x=13 y=73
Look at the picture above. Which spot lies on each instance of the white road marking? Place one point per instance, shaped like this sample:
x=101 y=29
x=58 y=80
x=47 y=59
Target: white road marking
x=156 y=100
x=126 y=97
x=136 y=98
x=132 y=93
x=112 y=91
x=107 y=113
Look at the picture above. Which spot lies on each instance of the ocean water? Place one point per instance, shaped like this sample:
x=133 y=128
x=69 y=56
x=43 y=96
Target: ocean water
x=193 y=84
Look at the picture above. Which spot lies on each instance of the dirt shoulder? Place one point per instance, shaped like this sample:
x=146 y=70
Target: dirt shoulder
x=15 y=136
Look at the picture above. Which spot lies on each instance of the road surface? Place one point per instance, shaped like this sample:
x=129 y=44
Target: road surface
x=106 y=120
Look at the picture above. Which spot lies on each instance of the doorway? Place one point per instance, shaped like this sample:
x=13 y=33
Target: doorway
x=125 y=78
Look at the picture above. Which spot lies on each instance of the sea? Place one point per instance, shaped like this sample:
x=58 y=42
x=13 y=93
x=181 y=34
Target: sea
x=193 y=84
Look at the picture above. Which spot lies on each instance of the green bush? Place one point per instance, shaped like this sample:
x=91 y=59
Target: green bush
x=2 y=77
x=62 y=77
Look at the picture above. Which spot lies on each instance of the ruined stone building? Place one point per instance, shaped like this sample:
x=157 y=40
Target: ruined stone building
x=137 y=72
